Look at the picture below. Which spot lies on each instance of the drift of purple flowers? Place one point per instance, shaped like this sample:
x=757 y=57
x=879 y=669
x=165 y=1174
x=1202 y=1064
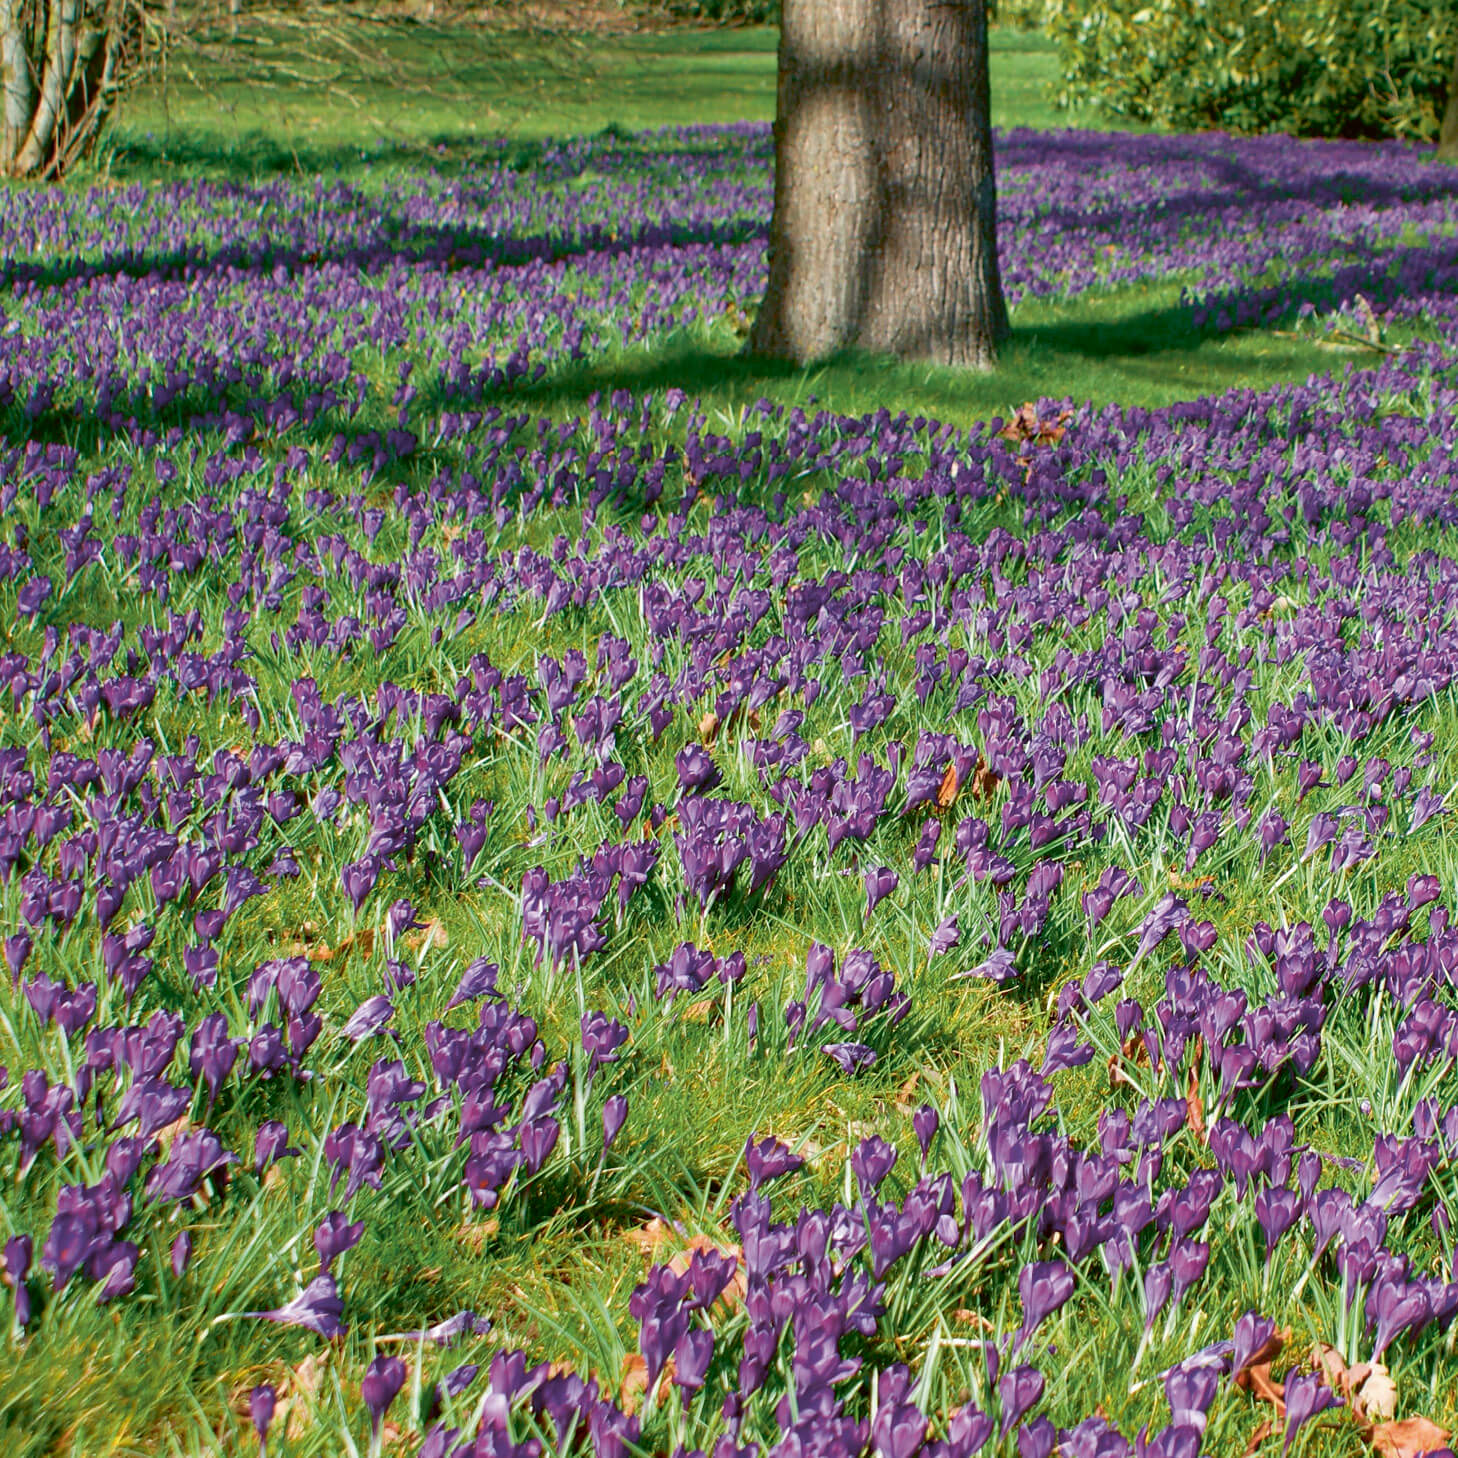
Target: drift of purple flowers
x=389 y=773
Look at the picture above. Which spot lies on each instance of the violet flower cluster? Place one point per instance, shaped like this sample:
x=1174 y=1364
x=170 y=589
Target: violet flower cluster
x=1042 y=726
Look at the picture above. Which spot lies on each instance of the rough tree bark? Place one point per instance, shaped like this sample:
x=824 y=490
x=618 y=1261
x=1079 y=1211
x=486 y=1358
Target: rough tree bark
x=884 y=230
x=61 y=64
x=1448 y=136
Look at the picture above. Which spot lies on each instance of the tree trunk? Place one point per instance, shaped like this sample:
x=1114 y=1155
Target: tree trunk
x=61 y=65
x=884 y=232
x=1448 y=137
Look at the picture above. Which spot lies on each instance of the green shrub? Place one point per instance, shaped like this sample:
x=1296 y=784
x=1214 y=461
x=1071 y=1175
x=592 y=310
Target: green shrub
x=721 y=12
x=1348 y=68
x=1018 y=14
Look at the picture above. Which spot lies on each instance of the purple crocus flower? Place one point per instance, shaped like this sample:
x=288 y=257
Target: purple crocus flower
x=17 y=1257
x=614 y=1113
x=691 y=1358
x=271 y=1143
x=381 y=1384
x=871 y=1161
x=768 y=1160
x=1277 y=1210
x=318 y=1307
x=924 y=1124
x=1306 y=1395
x=261 y=1403
x=368 y=1018
x=334 y=1235
x=852 y=1057
x=944 y=938
x=477 y=981
x=999 y=967
x=181 y=1253
x=1044 y=1287
x=1252 y=1332
x=1017 y=1390
x=880 y=882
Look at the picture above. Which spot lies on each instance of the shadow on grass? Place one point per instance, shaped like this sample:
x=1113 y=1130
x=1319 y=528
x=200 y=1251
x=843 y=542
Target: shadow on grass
x=256 y=156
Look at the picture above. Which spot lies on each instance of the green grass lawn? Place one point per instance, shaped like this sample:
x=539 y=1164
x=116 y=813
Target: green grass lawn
x=403 y=97
x=168 y=1372
x=282 y=102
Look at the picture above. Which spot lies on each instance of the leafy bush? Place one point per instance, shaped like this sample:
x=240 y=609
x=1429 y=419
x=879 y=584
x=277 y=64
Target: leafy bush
x=721 y=12
x=1018 y=14
x=1349 y=68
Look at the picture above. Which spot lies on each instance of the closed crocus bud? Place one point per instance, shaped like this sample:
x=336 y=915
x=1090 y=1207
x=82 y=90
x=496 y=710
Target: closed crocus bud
x=924 y=1123
x=880 y=882
x=381 y=1384
x=335 y=1235
x=1018 y=1390
x=1044 y=1287
x=614 y=1113
x=872 y=1161
x=19 y=1250
x=1306 y=1395
x=261 y=1403
x=181 y=1253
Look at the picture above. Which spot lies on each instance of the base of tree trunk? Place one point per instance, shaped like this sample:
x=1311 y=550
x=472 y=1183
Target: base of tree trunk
x=61 y=65
x=884 y=231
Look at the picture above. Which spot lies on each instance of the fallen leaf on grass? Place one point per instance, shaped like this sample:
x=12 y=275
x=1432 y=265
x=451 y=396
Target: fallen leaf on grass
x=1262 y=1386
x=1136 y=1051
x=1368 y=1388
x=1263 y=1430
x=947 y=790
x=1194 y=1107
x=1376 y=1399
x=307 y=943
x=1255 y=1376
x=297 y=1397
x=633 y=1381
x=1026 y=425
x=984 y=780
x=1410 y=1438
x=432 y=934
x=974 y=1319
x=475 y=1233
x=1189 y=883
x=650 y=1238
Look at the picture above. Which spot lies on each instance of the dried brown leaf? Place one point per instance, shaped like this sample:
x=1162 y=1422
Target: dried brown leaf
x=650 y=1238
x=1263 y=1356
x=632 y=1382
x=984 y=780
x=947 y=790
x=1332 y=1366
x=432 y=934
x=300 y=1391
x=474 y=1234
x=708 y=727
x=1194 y=1108
x=1263 y=1387
x=1410 y=1438
x=974 y=1319
x=168 y=1132
x=1263 y=1430
x=1376 y=1396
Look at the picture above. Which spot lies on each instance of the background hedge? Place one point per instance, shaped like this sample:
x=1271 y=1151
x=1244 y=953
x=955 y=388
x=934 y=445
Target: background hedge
x=1348 y=68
